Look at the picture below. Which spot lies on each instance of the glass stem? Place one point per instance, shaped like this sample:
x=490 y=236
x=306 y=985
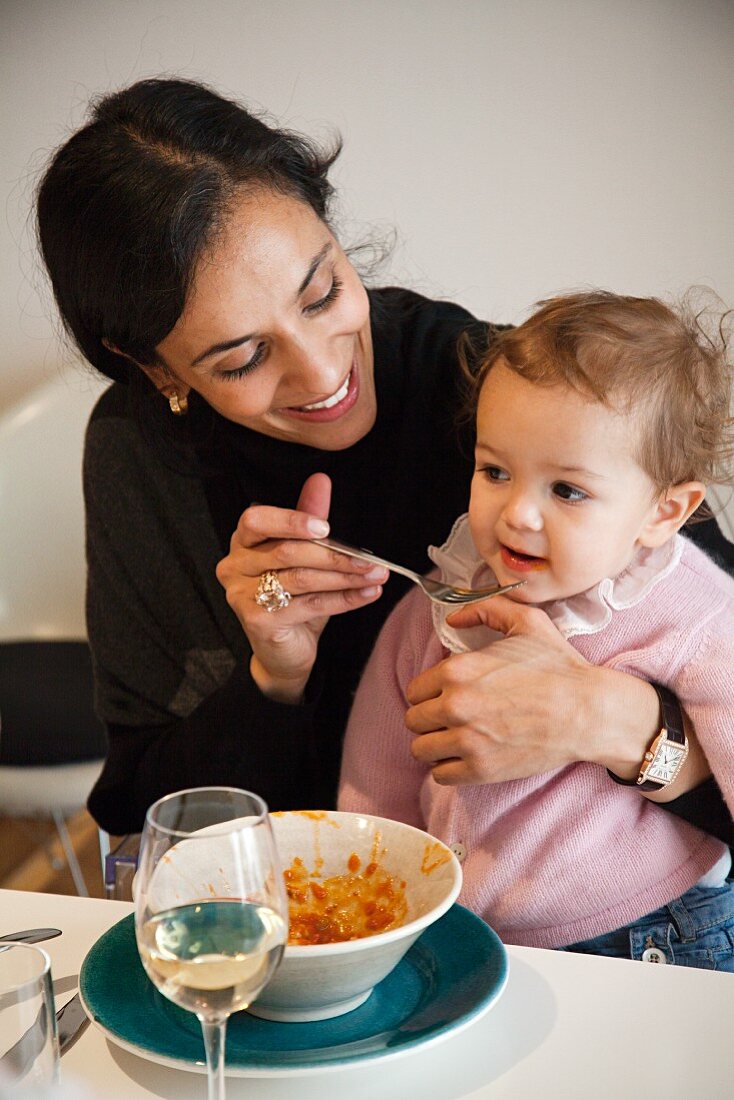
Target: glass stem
x=214 y=1036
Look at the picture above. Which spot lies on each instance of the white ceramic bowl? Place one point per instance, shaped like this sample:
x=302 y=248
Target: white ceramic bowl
x=316 y=982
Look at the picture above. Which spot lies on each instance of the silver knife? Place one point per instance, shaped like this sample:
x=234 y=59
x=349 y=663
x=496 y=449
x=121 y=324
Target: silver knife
x=16 y=1062
x=31 y=935
x=71 y=1021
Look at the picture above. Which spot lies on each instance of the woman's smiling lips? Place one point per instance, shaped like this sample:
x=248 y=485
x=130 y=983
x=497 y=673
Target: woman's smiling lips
x=331 y=408
x=519 y=562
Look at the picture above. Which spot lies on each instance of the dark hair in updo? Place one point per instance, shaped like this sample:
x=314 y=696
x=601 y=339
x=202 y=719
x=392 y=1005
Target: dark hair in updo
x=128 y=205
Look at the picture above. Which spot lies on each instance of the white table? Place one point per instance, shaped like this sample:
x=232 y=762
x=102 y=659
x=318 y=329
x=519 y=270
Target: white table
x=569 y=1027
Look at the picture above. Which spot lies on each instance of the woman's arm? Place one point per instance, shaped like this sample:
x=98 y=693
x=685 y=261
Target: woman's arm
x=171 y=661
x=531 y=703
x=322 y=583
x=235 y=737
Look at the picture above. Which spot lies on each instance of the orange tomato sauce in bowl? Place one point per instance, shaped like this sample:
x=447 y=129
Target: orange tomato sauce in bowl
x=358 y=903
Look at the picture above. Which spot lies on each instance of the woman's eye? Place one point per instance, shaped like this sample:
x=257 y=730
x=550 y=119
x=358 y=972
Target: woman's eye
x=568 y=492
x=495 y=473
x=240 y=372
x=331 y=295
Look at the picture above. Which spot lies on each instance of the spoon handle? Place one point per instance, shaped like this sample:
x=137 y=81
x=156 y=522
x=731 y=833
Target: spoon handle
x=367 y=555
x=31 y=935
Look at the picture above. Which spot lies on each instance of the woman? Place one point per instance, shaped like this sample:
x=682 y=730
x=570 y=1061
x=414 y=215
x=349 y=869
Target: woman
x=193 y=263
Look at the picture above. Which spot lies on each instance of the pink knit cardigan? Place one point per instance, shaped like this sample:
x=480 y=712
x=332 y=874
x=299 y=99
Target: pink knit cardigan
x=566 y=855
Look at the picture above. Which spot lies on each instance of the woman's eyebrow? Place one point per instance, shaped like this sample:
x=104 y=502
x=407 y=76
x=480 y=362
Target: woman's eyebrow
x=313 y=267
x=227 y=345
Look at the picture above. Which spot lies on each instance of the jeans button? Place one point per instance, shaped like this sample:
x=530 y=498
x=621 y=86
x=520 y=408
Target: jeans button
x=653 y=955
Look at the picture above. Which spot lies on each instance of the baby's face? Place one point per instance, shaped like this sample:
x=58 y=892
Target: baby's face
x=557 y=499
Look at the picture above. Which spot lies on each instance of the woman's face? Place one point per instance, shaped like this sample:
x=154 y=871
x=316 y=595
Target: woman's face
x=275 y=334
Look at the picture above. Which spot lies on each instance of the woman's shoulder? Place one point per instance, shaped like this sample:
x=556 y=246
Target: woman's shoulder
x=112 y=402
x=131 y=429
x=133 y=481
x=111 y=431
x=413 y=314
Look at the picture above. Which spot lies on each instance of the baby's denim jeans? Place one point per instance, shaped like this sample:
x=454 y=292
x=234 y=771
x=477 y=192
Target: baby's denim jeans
x=696 y=929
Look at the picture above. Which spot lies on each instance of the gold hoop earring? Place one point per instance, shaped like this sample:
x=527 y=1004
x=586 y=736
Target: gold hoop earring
x=179 y=405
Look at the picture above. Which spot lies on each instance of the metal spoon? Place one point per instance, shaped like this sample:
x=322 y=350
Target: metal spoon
x=31 y=935
x=435 y=590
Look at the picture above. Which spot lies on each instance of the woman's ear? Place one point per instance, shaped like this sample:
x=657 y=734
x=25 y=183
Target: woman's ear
x=671 y=512
x=159 y=375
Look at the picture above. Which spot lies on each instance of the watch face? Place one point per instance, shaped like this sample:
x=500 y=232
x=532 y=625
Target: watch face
x=666 y=762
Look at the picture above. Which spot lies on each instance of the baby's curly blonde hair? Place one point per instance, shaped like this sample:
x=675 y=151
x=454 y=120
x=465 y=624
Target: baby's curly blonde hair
x=636 y=356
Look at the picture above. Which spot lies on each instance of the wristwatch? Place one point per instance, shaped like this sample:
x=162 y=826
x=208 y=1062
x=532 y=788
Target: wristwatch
x=667 y=751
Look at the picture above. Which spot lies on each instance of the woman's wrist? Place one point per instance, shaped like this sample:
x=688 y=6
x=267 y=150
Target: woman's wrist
x=625 y=716
x=629 y=718
x=695 y=770
x=279 y=689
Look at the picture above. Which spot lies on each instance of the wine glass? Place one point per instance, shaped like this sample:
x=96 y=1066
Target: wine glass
x=211 y=913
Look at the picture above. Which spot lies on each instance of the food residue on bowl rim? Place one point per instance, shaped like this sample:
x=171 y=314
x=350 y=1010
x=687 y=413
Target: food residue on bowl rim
x=434 y=855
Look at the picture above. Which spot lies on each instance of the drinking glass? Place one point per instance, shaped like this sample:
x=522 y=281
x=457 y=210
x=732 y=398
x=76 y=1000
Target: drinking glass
x=29 y=1053
x=211 y=914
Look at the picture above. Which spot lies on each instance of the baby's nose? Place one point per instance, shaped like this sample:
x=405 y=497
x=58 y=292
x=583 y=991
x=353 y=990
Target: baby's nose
x=522 y=511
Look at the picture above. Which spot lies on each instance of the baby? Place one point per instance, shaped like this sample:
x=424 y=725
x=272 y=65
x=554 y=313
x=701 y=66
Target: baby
x=600 y=420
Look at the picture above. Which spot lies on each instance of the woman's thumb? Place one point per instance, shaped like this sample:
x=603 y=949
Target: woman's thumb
x=315 y=496
x=498 y=613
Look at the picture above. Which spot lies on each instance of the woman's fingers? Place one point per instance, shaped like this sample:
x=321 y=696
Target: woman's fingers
x=308 y=520
x=455 y=756
x=502 y=613
x=263 y=522
x=320 y=582
x=301 y=566
x=317 y=606
x=315 y=496
x=313 y=583
x=529 y=628
x=511 y=710
x=315 y=593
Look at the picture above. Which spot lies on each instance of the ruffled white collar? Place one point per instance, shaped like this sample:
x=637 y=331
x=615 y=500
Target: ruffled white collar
x=459 y=562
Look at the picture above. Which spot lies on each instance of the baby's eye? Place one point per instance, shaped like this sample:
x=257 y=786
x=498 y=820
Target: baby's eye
x=495 y=473
x=568 y=492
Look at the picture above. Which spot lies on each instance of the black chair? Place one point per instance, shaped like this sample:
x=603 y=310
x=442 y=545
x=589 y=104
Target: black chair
x=52 y=745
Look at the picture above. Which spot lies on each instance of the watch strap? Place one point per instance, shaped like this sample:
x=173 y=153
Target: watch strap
x=671 y=714
x=672 y=723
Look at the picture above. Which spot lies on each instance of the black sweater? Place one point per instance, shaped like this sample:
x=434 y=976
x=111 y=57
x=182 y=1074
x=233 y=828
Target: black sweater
x=171 y=661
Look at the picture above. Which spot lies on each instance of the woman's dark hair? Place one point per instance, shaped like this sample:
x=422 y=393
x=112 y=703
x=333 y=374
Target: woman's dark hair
x=128 y=205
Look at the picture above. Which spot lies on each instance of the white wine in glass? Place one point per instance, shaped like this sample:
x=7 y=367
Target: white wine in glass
x=211 y=913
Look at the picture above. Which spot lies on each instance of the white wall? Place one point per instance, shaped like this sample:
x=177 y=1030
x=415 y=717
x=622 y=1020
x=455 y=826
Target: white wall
x=518 y=146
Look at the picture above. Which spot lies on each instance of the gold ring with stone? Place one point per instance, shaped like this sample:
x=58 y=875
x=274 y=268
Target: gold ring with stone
x=270 y=592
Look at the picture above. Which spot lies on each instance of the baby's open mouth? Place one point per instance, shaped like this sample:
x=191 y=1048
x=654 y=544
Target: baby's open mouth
x=521 y=562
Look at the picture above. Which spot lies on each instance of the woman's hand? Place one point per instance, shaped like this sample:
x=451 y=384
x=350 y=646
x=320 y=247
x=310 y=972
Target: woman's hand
x=321 y=582
x=529 y=703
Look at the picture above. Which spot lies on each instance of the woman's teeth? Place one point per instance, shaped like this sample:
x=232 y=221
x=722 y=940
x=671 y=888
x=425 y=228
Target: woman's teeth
x=331 y=401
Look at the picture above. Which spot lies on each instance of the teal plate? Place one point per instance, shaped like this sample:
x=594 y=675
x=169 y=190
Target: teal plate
x=451 y=975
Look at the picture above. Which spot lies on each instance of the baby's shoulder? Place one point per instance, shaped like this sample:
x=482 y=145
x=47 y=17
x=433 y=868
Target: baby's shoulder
x=698 y=573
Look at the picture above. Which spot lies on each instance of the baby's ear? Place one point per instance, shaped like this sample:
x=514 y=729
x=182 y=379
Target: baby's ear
x=671 y=512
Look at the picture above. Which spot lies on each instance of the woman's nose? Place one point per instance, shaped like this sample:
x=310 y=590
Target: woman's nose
x=313 y=367
x=523 y=511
